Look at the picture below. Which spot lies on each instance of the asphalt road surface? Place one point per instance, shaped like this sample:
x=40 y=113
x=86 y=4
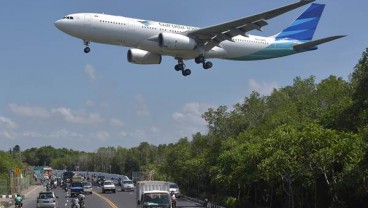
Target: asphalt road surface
x=97 y=199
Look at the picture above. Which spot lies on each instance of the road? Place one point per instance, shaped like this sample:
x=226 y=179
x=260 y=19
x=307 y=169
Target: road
x=97 y=199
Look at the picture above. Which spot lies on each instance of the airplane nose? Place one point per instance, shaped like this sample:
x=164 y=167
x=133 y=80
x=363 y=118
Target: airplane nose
x=58 y=24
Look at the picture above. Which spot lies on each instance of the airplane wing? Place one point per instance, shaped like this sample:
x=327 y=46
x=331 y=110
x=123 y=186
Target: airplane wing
x=214 y=35
x=311 y=44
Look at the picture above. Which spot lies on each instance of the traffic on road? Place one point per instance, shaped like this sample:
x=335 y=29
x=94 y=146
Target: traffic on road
x=107 y=191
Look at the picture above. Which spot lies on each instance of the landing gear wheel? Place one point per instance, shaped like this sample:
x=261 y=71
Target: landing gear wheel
x=199 y=59
x=186 y=72
x=87 y=50
x=207 y=65
x=179 y=67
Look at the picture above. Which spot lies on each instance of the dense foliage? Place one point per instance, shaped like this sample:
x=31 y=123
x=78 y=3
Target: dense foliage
x=304 y=145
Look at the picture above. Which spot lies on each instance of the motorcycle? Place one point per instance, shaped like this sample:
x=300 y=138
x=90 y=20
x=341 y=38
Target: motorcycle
x=78 y=202
x=18 y=206
x=173 y=203
x=75 y=203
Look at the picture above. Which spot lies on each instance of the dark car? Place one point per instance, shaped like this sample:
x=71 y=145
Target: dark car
x=100 y=180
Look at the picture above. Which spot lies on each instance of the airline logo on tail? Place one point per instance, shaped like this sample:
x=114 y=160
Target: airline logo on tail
x=305 y=25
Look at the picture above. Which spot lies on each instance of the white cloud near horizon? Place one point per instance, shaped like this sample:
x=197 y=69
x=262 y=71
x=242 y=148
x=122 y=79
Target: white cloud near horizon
x=192 y=113
x=29 y=111
x=7 y=127
x=189 y=120
x=78 y=117
x=262 y=88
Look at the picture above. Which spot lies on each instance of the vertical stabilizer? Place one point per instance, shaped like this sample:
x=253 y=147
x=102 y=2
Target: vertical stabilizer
x=305 y=25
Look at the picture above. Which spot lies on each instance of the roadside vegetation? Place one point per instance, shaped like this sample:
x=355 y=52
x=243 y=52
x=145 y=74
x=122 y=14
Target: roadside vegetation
x=305 y=145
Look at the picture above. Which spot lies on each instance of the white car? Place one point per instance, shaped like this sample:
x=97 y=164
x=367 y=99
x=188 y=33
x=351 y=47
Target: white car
x=108 y=185
x=175 y=188
x=87 y=187
x=127 y=185
x=47 y=199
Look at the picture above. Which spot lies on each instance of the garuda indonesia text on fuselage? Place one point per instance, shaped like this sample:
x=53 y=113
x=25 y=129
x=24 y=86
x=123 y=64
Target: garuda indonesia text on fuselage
x=150 y=40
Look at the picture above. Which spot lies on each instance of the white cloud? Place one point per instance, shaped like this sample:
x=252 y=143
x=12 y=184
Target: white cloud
x=7 y=134
x=33 y=134
x=7 y=123
x=91 y=103
x=155 y=130
x=90 y=71
x=29 y=111
x=7 y=127
x=63 y=133
x=178 y=116
x=189 y=120
x=192 y=113
x=141 y=107
x=116 y=122
x=139 y=134
x=79 y=117
x=262 y=88
x=123 y=134
x=102 y=135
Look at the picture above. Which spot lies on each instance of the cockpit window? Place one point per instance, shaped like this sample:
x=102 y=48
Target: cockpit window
x=68 y=17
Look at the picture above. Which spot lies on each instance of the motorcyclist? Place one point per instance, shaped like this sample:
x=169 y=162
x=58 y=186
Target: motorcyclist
x=75 y=202
x=81 y=198
x=18 y=201
x=173 y=199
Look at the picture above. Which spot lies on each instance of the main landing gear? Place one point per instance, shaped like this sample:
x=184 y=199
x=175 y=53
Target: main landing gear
x=199 y=60
x=181 y=67
x=86 y=49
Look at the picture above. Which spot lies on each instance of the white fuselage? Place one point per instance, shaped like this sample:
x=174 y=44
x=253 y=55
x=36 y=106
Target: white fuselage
x=143 y=34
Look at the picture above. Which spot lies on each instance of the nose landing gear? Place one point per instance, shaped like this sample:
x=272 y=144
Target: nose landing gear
x=86 y=44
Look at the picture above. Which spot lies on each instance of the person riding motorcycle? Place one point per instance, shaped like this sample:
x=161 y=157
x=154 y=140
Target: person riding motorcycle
x=81 y=198
x=18 y=201
x=173 y=199
x=75 y=202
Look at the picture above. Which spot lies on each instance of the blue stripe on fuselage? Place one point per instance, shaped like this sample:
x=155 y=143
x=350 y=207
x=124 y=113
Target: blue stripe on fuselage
x=276 y=49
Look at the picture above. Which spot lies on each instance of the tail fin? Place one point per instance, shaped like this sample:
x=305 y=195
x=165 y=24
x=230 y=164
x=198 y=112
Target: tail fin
x=304 y=27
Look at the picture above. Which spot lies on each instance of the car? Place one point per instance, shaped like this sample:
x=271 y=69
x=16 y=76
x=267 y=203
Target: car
x=174 y=188
x=108 y=185
x=127 y=185
x=47 y=199
x=87 y=187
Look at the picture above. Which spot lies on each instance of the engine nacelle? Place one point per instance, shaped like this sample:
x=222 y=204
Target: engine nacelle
x=138 y=56
x=176 y=41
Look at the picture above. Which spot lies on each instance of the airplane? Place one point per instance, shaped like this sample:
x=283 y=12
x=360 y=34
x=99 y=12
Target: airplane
x=150 y=40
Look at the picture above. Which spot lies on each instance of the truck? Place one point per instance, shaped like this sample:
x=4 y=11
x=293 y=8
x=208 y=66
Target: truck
x=76 y=187
x=67 y=178
x=153 y=194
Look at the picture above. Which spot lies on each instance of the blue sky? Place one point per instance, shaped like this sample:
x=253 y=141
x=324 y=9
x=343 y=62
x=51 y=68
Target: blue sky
x=51 y=93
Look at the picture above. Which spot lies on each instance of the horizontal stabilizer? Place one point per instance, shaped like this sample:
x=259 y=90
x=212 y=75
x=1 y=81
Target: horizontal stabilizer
x=312 y=44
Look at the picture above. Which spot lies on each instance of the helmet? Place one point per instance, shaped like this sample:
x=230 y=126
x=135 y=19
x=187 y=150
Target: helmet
x=18 y=194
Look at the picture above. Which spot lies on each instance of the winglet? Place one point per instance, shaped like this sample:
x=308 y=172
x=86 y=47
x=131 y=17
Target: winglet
x=312 y=45
x=305 y=25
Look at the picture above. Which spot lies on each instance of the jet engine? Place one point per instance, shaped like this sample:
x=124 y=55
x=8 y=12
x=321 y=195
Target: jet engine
x=176 y=41
x=138 y=56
